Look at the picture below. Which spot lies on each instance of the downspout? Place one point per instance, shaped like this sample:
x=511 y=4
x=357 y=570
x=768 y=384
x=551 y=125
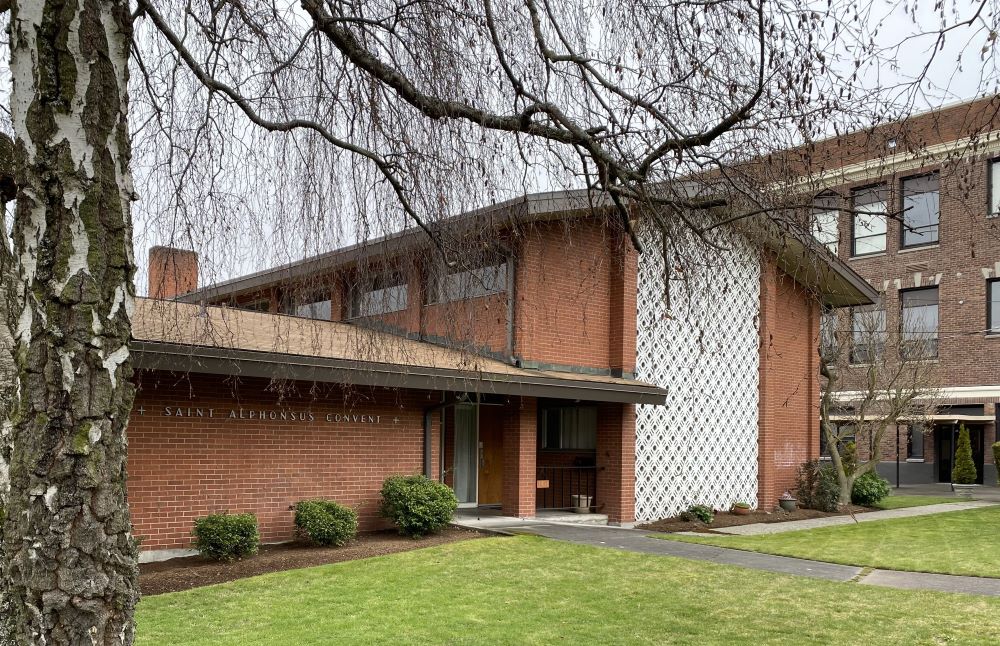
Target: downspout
x=510 y=309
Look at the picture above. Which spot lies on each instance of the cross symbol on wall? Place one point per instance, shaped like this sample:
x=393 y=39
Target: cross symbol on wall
x=395 y=420
x=142 y=410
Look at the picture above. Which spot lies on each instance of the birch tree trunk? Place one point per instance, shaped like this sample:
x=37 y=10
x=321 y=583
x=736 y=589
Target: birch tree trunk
x=68 y=553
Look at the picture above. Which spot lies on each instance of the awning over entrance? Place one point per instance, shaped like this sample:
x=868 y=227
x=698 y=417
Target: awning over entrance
x=182 y=337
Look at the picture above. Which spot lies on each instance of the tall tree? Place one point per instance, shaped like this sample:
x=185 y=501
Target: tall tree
x=69 y=556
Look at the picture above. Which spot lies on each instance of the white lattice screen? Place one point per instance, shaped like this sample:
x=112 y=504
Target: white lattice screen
x=702 y=446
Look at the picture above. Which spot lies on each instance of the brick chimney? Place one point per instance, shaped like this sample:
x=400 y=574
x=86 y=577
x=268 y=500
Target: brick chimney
x=172 y=272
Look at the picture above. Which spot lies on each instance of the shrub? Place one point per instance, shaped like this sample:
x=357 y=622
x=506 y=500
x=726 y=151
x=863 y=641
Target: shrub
x=817 y=486
x=225 y=537
x=996 y=454
x=417 y=504
x=964 y=471
x=324 y=522
x=869 y=488
x=698 y=512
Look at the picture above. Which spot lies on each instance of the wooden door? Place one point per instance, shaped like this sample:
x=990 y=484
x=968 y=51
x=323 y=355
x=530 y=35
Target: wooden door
x=490 y=456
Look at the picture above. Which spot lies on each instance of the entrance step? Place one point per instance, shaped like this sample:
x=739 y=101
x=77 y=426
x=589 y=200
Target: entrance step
x=570 y=517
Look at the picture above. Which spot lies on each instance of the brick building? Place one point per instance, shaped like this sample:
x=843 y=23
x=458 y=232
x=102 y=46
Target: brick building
x=935 y=259
x=541 y=369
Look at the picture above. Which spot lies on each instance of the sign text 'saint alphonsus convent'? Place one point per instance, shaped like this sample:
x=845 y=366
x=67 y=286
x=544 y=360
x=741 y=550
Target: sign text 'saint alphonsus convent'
x=267 y=415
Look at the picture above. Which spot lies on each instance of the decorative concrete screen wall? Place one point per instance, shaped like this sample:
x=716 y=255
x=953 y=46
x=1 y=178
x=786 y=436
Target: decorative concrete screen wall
x=702 y=446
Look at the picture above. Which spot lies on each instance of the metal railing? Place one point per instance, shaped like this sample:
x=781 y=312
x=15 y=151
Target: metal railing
x=561 y=487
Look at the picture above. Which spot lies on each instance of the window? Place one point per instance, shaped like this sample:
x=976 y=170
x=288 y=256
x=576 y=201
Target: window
x=379 y=294
x=826 y=218
x=464 y=282
x=828 y=335
x=869 y=222
x=569 y=427
x=919 y=323
x=867 y=334
x=308 y=304
x=993 y=306
x=993 y=174
x=915 y=443
x=921 y=210
x=845 y=434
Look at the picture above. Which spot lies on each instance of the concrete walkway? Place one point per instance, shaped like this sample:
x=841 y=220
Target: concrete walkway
x=634 y=540
x=832 y=521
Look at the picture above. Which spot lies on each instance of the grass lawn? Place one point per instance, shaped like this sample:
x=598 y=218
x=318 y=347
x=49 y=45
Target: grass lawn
x=898 y=502
x=528 y=590
x=957 y=542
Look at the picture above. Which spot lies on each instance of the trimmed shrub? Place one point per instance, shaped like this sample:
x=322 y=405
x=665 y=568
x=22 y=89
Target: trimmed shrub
x=698 y=512
x=324 y=522
x=417 y=504
x=817 y=486
x=225 y=537
x=869 y=488
x=964 y=471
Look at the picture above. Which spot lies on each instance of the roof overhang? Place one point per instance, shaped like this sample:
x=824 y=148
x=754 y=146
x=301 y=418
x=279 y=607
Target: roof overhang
x=916 y=419
x=155 y=355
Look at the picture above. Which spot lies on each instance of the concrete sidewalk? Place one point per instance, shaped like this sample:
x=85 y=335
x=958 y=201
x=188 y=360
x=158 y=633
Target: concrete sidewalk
x=633 y=540
x=832 y=521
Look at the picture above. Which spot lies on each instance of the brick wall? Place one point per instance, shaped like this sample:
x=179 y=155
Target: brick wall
x=789 y=383
x=183 y=467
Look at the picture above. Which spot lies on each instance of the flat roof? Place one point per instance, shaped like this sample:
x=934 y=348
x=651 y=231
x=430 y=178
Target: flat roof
x=183 y=337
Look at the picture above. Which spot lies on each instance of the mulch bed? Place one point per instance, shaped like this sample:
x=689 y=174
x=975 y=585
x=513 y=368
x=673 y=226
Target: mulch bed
x=196 y=571
x=726 y=519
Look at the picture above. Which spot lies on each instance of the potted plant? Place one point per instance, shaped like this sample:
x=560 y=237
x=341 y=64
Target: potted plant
x=740 y=508
x=963 y=474
x=787 y=502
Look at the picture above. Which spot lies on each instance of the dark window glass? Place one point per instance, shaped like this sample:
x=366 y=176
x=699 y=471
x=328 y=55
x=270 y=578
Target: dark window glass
x=869 y=228
x=919 y=323
x=915 y=443
x=867 y=334
x=569 y=427
x=921 y=210
x=993 y=306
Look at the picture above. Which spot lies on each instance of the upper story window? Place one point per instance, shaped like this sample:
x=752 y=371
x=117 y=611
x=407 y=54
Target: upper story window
x=463 y=281
x=313 y=304
x=993 y=306
x=921 y=210
x=825 y=221
x=993 y=188
x=379 y=294
x=867 y=334
x=919 y=323
x=828 y=335
x=569 y=427
x=870 y=220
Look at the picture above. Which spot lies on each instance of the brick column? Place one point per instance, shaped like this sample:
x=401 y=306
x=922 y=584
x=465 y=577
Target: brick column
x=520 y=435
x=624 y=273
x=616 y=462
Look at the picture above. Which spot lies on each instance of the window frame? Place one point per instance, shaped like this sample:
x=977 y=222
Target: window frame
x=437 y=274
x=903 y=226
x=879 y=346
x=543 y=430
x=990 y=329
x=378 y=282
x=886 y=200
x=818 y=208
x=293 y=299
x=992 y=191
x=902 y=323
x=910 y=429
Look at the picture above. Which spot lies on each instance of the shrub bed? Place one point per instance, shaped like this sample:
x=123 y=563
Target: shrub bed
x=817 y=486
x=324 y=522
x=417 y=505
x=226 y=537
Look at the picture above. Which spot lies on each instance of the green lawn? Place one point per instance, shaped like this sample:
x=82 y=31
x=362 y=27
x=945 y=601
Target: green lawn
x=527 y=590
x=957 y=542
x=898 y=502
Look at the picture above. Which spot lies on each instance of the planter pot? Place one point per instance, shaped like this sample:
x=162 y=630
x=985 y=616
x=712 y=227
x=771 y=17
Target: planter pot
x=788 y=505
x=581 y=504
x=965 y=490
x=740 y=511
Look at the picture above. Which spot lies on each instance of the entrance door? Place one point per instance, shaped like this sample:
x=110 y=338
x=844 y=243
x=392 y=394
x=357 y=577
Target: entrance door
x=490 y=457
x=466 y=461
